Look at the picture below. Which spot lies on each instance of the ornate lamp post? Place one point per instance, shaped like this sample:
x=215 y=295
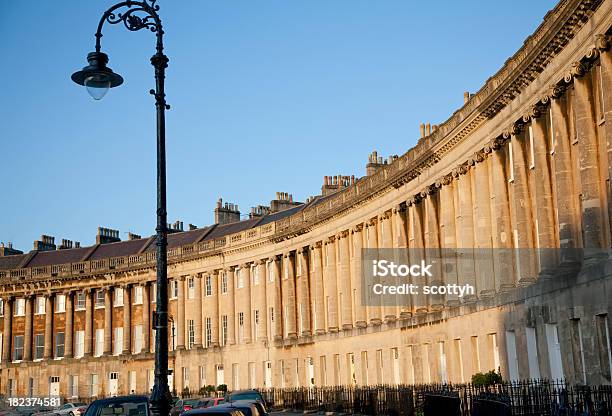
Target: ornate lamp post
x=98 y=78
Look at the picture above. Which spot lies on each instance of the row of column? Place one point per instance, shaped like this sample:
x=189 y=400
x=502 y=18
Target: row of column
x=49 y=329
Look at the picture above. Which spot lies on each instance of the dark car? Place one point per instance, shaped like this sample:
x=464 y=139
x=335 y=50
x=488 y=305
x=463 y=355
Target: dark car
x=261 y=407
x=120 y=406
x=247 y=407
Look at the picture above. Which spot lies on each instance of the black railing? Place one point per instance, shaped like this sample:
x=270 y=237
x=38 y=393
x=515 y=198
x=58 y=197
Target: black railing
x=525 y=398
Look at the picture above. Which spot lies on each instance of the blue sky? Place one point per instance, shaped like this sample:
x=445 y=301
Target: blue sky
x=266 y=96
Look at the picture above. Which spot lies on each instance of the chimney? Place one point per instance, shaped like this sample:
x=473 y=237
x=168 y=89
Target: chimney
x=8 y=250
x=422 y=129
x=375 y=162
x=466 y=97
x=107 y=235
x=226 y=213
x=46 y=243
x=259 y=211
x=66 y=244
x=192 y=227
x=132 y=236
x=175 y=227
x=283 y=201
x=428 y=128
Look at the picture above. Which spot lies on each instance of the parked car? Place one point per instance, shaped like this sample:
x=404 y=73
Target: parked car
x=214 y=411
x=244 y=395
x=247 y=407
x=71 y=409
x=261 y=407
x=133 y=405
x=184 y=405
x=210 y=402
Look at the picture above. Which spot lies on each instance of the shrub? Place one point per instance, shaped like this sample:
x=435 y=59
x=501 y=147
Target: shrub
x=486 y=379
x=222 y=388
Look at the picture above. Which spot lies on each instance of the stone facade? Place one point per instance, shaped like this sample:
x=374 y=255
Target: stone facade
x=275 y=300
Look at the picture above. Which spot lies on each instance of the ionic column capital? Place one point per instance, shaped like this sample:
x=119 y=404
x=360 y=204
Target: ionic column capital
x=371 y=222
x=316 y=245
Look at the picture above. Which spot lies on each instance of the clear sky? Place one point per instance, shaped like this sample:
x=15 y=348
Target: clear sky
x=266 y=96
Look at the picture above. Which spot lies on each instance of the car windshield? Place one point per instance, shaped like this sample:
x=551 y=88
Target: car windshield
x=191 y=402
x=80 y=404
x=127 y=408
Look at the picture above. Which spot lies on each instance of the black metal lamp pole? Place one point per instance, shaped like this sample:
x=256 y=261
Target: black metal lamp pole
x=98 y=78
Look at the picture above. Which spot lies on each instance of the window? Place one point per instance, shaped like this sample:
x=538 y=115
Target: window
x=202 y=372
x=80 y=301
x=255 y=274
x=12 y=387
x=235 y=377
x=270 y=267
x=603 y=345
x=31 y=390
x=208 y=327
x=39 y=346
x=532 y=352
x=118 y=344
x=190 y=288
x=240 y=283
x=59 y=345
x=99 y=348
x=224 y=330
x=185 y=377
x=256 y=326
x=138 y=295
x=208 y=285
x=73 y=386
x=190 y=333
x=18 y=348
x=272 y=327
x=175 y=289
x=20 y=307
x=79 y=344
x=99 y=299
x=240 y=326
x=118 y=299
x=137 y=339
x=132 y=382
x=94 y=386
x=60 y=303
x=513 y=370
x=223 y=283
x=40 y=305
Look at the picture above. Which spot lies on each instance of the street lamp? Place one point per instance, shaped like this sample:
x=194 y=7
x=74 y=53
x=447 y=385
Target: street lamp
x=98 y=79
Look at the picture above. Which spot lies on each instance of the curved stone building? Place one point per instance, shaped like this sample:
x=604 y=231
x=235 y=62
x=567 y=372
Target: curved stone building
x=276 y=300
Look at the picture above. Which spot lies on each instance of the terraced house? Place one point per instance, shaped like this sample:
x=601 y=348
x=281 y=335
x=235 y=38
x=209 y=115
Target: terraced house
x=276 y=300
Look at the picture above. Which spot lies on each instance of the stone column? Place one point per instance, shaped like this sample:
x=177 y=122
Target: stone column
x=318 y=303
x=246 y=296
x=373 y=306
x=180 y=319
x=302 y=291
x=288 y=286
x=89 y=309
x=199 y=330
x=68 y=330
x=48 y=351
x=545 y=213
x=108 y=321
x=386 y=242
x=27 y=339
x=330 y=284
x=483 y=257
x=146 y=312
x=357 y=279
x=214 y=310
x=400 y=242
x=344 y=279
x=278 y=300
x=231 y=317
x=448 y=238
x=263 y=313
x=605 y=60
x=503 y=262
x=417 y=252
x=127 y=319
x=523 y=210
x=590 y=178
x=7 y=331
x=566 y=189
